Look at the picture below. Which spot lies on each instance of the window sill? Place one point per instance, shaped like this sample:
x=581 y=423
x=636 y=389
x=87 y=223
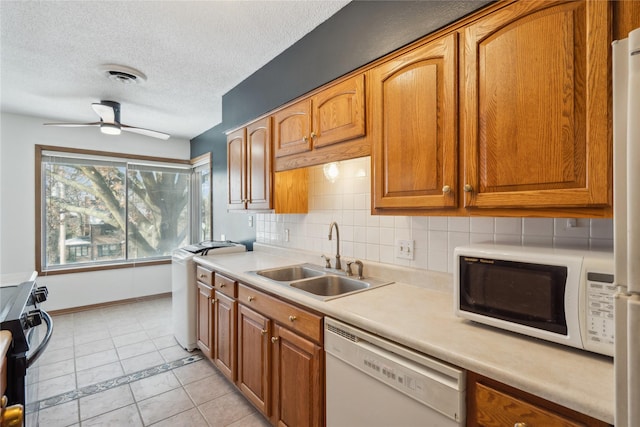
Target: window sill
x=91 y=268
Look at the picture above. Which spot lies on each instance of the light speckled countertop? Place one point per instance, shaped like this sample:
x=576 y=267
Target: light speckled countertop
x=420 y=316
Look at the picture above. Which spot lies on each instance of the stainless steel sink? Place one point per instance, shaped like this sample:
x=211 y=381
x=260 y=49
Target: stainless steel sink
x=330 y=285
x=320 y=283
x=288 y=274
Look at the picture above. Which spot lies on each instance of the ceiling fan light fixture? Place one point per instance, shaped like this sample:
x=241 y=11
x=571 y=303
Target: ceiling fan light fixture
x=110 y=129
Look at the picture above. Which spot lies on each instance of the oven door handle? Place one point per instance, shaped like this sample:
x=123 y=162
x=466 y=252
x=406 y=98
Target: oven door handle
x=35 y=354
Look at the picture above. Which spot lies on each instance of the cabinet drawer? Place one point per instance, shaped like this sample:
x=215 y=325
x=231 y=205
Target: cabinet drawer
x=292 y=317
x=204 y=275
x=225 y=285
x=496 y=408
x=205 y=289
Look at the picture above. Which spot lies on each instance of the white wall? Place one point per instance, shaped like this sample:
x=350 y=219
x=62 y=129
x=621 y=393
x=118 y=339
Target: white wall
x=18 y=137
x=372 y=237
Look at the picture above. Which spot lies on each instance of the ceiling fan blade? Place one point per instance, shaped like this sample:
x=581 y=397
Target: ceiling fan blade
x=72 y=125
x=106 y=112
x=146 y=132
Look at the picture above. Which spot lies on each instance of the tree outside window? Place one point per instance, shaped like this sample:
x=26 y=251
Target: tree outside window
x=98 y=210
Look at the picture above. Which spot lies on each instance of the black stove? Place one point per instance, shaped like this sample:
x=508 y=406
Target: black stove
x=20 y=314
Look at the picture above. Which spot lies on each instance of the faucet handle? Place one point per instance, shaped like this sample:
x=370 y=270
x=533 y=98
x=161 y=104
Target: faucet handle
x=360 y=266
x=327 y=261
x=348 y=268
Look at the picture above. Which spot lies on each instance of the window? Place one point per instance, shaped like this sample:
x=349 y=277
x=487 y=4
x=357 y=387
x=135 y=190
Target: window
x=201 y=199
x=104 y=209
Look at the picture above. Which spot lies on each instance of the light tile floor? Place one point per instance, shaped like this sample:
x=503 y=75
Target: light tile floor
x=121 y=366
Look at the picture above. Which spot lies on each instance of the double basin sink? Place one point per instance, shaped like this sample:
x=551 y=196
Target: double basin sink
x=321 y=283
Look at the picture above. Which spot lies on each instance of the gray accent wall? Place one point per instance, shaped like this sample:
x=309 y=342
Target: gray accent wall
x=359 y=33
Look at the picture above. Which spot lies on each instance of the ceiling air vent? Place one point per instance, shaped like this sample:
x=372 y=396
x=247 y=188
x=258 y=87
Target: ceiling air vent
x=123 y=74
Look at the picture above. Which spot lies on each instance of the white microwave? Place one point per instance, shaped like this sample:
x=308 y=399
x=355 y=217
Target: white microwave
x=560 y=295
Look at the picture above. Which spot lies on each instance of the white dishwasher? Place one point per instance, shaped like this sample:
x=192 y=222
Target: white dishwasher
x=374 y=382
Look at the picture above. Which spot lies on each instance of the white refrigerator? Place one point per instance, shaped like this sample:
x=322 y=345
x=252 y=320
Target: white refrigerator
x=626 y=166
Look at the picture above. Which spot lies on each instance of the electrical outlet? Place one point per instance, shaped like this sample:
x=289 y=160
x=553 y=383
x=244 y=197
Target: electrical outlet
x=286 y=234
x=250 y=220
x=223 y=237
x=404 y=249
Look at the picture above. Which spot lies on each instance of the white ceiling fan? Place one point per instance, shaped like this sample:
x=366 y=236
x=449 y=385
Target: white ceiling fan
x=109 y=113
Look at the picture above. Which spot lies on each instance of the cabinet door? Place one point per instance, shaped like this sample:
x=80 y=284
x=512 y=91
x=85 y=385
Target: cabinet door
x=254 y=353
x=339 y=113
x=495 y=409
x=297 y=380
x=414 y=115
x=292 y=129
x=259 y=164
x=224 y=338
x=204 y=318
x=493 y=404
x=236 y=170
x=535 y=106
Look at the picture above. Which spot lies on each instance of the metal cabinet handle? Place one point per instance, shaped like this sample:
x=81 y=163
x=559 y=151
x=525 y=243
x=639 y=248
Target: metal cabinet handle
x=222 y=285
x=274 y=339
x=468 y=188
x=263 y=332
x=251 y=298
x=520 y=425
x=313 y=135
x=202 y=276
x=305 y=139
x=292 y=318
x=446 y=189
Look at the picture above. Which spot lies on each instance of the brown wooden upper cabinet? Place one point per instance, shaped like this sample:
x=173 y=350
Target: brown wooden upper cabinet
x=334 y=115
x=249 y=166
x=414 y=123
x=534 y=106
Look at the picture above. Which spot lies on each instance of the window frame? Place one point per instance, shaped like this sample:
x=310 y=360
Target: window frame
x=39 y=150
x=203 y=161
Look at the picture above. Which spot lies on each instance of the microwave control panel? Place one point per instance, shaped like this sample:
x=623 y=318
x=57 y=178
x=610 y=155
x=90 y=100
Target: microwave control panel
x=600 y=319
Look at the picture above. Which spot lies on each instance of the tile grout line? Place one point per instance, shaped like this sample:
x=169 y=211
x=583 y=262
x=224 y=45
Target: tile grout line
x=109 y=384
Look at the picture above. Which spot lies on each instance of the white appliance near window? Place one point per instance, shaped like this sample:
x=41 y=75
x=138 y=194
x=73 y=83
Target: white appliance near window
x=184 y=292
x=376 y=383
x=626 y=136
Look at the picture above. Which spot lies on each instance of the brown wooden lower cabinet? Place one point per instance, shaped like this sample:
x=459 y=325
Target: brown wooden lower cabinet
x=271 y=349
x=254 y=348
x=204 y=318
x=297 y=381
x=280 y=359
x=224 y=338
x=493 y=404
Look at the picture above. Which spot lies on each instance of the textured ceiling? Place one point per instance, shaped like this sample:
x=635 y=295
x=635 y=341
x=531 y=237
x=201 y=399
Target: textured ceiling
x=192 y=52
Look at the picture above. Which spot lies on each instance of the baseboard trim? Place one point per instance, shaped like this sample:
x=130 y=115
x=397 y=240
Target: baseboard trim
x=108 y=304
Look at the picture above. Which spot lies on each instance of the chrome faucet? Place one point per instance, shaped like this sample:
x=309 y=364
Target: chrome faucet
x=338 y=265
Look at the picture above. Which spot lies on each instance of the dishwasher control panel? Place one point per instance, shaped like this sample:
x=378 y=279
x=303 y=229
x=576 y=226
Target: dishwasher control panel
x=392 y=373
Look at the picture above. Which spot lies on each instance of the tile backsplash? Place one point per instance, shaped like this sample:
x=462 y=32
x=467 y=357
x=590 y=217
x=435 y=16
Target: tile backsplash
x=373 y=237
